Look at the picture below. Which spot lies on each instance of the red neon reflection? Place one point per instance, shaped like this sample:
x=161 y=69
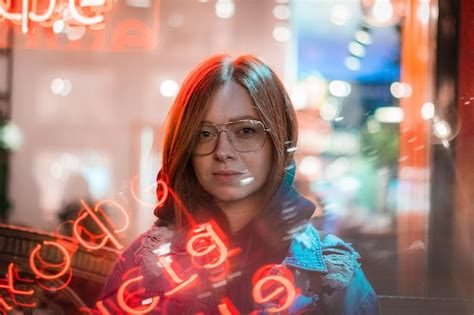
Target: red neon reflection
x=125 y=307
x=205 y=242
x=66 y=261
x=107 y=234
x=150 y=188
x=227 y=307
x=277 y=294
x=165 y=262
x=10 y=288
x=58 y=288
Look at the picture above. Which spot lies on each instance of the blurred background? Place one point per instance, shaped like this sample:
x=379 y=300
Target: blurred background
x=382 y=88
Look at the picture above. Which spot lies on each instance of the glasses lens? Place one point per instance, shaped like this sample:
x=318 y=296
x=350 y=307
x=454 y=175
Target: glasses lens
x=205 y=139
x=248 y=135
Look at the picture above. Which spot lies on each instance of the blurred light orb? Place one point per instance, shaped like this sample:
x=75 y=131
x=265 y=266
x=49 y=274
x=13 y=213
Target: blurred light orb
x=310 y=166
x=328 y=111
x=442 y=129
x=356 y=49
x=57 y=86
x=61 y=86
x=59 y=26
x=352 y=63
x=67 y=87
x=373 y=126
x=427 y=111
x=382 y=11
x=401 y=90
x=298 y=97
x=390 y=114
x=340 y=14
x=11 y=137
x=75 y=32
x=423 y=11
x=225 y=9
x=339 y=88
x=363 y=37
x=169 y=88
x=281 y=12
x=139 y=3
x=281 y=33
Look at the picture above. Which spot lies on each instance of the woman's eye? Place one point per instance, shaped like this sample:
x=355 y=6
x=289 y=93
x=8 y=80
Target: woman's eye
x=247 y=131
x=204 y=134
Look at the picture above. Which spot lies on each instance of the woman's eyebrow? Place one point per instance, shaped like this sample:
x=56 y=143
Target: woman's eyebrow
x=232 y=119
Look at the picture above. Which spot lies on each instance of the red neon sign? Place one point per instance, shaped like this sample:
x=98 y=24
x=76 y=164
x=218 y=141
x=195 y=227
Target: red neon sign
x=122 y=300
x=77 y=10
x=283 y=295
x=78 y=230
x=9 y=286
x=204 y=243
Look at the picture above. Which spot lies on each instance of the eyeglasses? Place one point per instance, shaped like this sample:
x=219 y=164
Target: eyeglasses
x=245 y=136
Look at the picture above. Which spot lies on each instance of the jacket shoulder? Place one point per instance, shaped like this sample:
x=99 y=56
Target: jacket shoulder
x=346 y=289
x=139 y=254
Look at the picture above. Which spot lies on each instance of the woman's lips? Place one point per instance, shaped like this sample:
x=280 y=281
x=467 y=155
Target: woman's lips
x=226 y=176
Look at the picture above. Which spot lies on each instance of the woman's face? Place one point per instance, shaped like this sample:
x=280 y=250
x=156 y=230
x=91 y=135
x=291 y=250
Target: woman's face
x=227 y=174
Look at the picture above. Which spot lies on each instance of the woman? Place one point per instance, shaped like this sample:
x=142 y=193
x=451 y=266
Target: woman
x=228 y=160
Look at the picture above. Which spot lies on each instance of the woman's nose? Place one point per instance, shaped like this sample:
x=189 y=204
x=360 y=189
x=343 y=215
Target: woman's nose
x=224 y=149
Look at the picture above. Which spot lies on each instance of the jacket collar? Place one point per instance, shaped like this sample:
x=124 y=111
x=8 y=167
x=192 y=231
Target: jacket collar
x=305 y=251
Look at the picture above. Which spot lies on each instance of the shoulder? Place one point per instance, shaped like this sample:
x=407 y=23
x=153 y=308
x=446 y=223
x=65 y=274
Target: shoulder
x=139 y=254
x=341 y=261
x=346 y=289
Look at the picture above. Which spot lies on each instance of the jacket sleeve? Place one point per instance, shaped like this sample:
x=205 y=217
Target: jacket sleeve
x=346 y=289
x=124 y=263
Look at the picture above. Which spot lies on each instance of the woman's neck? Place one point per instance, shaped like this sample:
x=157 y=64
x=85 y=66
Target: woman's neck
x=240 y=212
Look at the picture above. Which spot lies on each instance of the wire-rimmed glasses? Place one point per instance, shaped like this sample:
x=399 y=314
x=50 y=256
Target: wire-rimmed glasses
x=245 y=135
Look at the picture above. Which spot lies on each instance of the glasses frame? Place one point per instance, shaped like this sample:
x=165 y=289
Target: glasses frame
x=219 y=130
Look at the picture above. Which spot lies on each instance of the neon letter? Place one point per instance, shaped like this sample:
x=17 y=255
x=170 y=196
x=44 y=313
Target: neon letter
x=66 y=262
x=83 y=19
x=204 y=247
x=108 y=234
x=10 y=287
x=166 y=265
x=123 y=304
x=287 y=286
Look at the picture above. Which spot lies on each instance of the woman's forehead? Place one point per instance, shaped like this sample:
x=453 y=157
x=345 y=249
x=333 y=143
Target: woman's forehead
x=230 y=102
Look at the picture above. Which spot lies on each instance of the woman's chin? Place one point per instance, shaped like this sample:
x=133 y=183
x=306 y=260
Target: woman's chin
x=229 y=195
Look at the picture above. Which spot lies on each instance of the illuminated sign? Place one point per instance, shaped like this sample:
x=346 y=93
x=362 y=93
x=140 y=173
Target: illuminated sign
x=102 y=25
x=206 y=245
x=30 y=12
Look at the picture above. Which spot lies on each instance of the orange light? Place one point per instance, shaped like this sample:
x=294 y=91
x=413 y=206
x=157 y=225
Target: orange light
x=171 y=274
x=125 y=307
x=66 y=261
x=59 y=288
x=4 y=305
x=107 y=234
x=100 y=306
x=286 y=286
x=207 y=241
x=10 y=287
x=150 y=188
x=227 y=307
